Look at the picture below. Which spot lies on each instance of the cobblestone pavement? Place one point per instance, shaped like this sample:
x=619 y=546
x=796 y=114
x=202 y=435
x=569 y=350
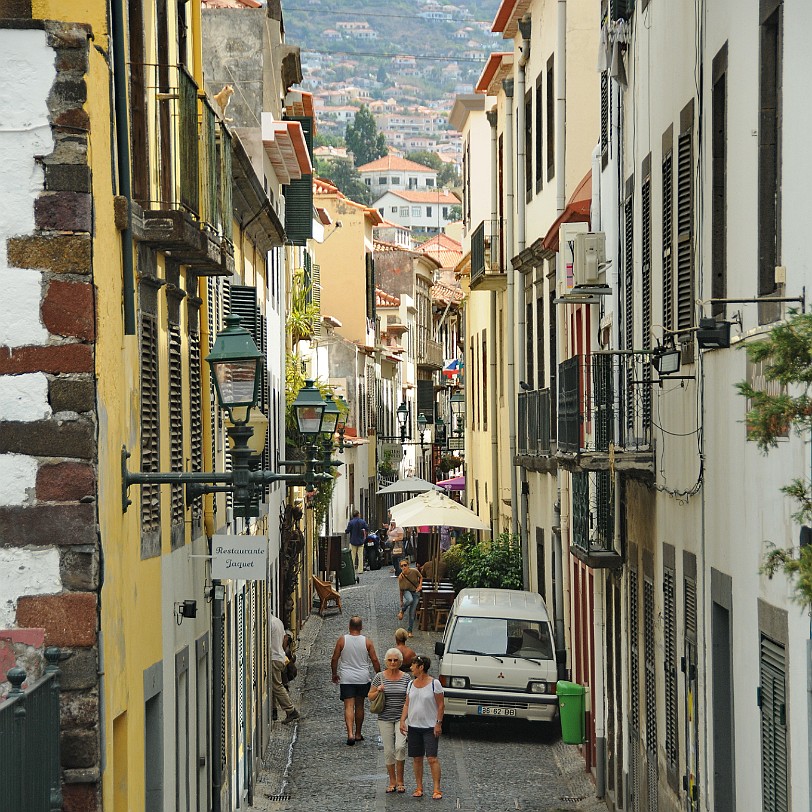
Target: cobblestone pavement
x=487 y=766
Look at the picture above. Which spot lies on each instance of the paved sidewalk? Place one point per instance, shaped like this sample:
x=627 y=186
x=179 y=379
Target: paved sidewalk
x=308 y=766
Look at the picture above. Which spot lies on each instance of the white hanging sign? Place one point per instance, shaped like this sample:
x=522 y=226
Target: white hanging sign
x=239 y=557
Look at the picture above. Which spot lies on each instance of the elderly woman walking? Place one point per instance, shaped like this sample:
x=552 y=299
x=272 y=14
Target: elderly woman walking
x=422 y=716
x=393 y=682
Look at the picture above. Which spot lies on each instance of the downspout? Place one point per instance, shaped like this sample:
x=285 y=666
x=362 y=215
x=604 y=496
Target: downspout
x=123 y=161
x=507 y=85
x=600 y=576
x=521 y=244
x=493 y=118
x=217 y=649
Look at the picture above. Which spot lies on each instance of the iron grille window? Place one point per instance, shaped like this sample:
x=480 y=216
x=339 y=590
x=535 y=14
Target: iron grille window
x=175 y=357
x=226 y=188
x=372 y=400
x=650 y=686
x=719 y=180
x=580 y=510
x=484 y=380
x=634 y=689
x=685 y=219
x=569 y=417
x=603 y=389
x=604 y=509
x=188 y=146
x=553 y=345
x=668 y=272
x=150 y=423
x=645 y=291
x=540 y=342
x=773 y=701
x=670 y=656
x=628 y=299
x=370 y=290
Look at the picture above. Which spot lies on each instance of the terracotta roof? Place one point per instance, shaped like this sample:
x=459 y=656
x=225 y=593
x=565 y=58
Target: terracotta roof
x=577 y=211
x=445 y=293
x=393 y=162
x=507 y=17
x=231 y=4
x=496 y=68
x=324 y=187
x=446 y=250
x=384 y=299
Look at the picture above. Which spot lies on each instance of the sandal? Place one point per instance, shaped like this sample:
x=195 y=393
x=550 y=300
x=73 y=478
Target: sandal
x=391 y=789
x=401 y=788
x=436 y=795
x=418 y=793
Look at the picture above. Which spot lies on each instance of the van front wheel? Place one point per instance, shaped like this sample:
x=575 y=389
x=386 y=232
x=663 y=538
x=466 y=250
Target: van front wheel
x=446 y=724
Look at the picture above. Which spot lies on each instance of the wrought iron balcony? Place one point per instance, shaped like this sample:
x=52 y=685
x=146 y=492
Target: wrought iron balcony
x=189 y=211
x=487 y=257
x=593 y=519
x=604 y=413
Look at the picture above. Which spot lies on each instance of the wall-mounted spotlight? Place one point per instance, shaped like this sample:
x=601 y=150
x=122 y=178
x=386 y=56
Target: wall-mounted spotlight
x=666 y=360
x=185 y=609
x=712 y=334
x=215 y=592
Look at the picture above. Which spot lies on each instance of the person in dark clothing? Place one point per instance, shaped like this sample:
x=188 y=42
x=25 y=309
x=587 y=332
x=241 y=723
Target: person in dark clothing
x=357 y=529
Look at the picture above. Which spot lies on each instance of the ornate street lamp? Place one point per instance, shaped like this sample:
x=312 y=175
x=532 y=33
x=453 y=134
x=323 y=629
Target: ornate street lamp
x=439 y=431
x=458 y=412
x=421 y=427
x=235 y=362
x=403 y=420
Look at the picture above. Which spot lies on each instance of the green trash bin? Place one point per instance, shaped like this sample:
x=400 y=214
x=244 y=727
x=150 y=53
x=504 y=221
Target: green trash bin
x=346 y=575
x=572 y=710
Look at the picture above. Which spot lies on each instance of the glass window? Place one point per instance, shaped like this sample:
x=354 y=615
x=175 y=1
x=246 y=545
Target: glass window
x=404 y=211
x=501 y=637
x=429 y=181
x=415 y=211
x=428 y=211
x=382 y=181
x=368 y=181
x=394 y=209
x=395 y=180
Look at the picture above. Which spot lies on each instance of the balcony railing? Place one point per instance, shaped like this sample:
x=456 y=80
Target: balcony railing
x=604 y=408
x=432 y=355
x=593 y=519
x=30 y=776
x=189 y=208
x=487 y=256
x=534 y=423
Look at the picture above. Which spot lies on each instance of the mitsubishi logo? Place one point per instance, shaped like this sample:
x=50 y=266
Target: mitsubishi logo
x=500 y=675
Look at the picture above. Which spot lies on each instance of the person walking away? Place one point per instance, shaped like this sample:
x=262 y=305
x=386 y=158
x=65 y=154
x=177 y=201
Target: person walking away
x=350 y=666
x=280 y=694
x=406 y=653
x=394 y=683
x=410 y=582
x=422 y=721
x=395 y=536
x=357 y=529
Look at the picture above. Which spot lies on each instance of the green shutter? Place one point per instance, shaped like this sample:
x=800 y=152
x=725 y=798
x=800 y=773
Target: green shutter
x=299 y=195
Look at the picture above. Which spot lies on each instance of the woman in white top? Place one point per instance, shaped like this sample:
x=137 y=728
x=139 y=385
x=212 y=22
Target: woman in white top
x=423 y=718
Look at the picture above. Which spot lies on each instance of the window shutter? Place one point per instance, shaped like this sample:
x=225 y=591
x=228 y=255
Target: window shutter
x=645 y=293
x=628 y=298
x=685 y=216
x=650 y=686
x=670 y=657
x=175 y=358
x=774 y=770
x=634 y=692
x=299 y=194
x=425 y=400
x=150 y=423
x=668 y=273
x=315 y=295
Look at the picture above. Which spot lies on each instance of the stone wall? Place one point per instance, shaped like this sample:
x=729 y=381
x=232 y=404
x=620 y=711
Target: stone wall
x=49 y=540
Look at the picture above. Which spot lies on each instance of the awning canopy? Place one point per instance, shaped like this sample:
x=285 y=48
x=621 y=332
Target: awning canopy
x=578 y=210
x=456 y=483
x=286 y=148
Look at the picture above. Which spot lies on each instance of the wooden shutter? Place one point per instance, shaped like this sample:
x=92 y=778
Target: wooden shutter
x=425 y=400
x=150 y=423
x=668 y=237
x=670 y=667
x=773 y=701
x=299 y=195
x=685 y=243
x=645 y=293
x=315 y=296
x=175 y=388
x=634 y=693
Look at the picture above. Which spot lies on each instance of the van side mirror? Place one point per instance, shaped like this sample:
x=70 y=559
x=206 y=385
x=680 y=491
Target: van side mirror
x=439 y=648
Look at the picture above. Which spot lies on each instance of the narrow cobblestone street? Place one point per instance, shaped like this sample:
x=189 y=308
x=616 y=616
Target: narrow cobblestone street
x=493 y=765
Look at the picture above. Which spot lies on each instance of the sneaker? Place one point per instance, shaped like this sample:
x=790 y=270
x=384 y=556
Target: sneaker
x=291 y=717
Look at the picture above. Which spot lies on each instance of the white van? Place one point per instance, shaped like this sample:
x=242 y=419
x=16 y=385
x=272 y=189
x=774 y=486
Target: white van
x=497 y=656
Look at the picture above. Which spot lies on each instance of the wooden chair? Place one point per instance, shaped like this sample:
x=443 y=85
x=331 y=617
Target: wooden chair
x=326 y=593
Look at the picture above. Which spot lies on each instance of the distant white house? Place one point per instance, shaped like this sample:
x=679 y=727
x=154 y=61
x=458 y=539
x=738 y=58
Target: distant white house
x=393 y=173
x=427 y=212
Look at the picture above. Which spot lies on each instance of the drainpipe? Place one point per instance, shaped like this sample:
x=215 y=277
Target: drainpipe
x=507 y=85
x=123 y=162
x=600 y=576
x=493 y=118
x=521 y=244
x=218 y=644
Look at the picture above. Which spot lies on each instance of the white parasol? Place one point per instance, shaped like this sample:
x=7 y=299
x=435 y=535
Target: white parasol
x=433 y=508
x=411 y=484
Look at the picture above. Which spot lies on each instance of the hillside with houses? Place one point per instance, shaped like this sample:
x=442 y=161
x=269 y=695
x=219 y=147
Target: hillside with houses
x=406 y=61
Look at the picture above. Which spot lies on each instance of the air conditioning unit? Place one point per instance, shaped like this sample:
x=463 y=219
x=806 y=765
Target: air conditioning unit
x=588 y=257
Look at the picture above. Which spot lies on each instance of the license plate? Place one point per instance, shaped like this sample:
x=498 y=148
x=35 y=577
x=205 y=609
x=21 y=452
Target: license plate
x=487 y=710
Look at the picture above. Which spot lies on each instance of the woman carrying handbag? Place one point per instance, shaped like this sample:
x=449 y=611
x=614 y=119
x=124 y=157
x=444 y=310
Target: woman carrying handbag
x=392 y=684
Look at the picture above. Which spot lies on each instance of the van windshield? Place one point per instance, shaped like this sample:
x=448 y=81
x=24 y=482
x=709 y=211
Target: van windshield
x=501 y=637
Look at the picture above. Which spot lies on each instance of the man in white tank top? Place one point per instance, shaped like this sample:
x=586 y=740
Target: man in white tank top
x=350 y=666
